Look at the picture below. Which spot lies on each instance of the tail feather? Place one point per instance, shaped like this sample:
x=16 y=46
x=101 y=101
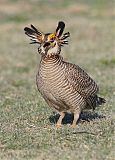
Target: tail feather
x=95 y=101
x=100 y=100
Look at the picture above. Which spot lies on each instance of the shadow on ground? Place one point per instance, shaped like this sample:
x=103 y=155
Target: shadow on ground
x=68 y=119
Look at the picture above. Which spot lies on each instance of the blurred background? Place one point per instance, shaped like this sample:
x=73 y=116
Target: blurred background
x=91 y=24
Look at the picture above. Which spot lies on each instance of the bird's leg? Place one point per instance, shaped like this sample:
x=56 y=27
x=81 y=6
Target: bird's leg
x=58 y=124
x=76 y=117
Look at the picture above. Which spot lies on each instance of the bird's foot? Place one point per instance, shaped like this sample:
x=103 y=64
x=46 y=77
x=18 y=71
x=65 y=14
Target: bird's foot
x=73 y=125
x=58 y=125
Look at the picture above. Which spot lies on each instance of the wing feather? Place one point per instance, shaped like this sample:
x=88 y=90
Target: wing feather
x=81 y=81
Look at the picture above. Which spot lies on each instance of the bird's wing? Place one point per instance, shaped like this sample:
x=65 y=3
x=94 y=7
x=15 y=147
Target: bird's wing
x=80 y=81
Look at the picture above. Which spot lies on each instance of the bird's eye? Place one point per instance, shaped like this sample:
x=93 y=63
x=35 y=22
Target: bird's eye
x=46 y=44
x=52 y=39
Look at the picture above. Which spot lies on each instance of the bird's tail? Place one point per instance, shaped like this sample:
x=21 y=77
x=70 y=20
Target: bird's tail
x=100 y=101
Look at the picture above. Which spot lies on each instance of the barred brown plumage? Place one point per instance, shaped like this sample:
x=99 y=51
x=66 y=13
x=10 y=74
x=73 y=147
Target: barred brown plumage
x=64 y=86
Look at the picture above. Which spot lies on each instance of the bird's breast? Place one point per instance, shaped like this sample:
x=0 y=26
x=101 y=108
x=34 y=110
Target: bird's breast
x=52 y=74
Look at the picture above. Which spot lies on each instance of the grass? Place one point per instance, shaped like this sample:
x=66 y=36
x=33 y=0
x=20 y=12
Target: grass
x=27 y=124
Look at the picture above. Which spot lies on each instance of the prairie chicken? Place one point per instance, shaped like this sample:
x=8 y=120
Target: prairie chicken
x=64 y=86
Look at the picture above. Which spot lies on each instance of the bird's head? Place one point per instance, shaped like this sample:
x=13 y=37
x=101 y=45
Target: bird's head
x=50 y=43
